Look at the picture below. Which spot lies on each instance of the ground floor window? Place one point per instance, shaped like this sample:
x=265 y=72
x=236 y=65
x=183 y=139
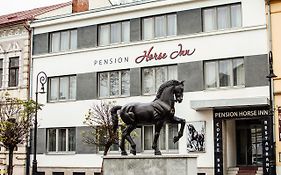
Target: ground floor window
x=144 y=135
x=61 y=139
x=165 y=141
x=58 y=173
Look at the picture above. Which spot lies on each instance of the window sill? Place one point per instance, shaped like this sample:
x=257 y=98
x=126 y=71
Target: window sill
x=224 y=88
x=61 y=153
x=162 y=151
x=61 y=101
x=113 y=97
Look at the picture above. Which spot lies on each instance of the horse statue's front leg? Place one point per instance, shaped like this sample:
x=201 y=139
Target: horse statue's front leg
x=158 y=128
x=180 y=133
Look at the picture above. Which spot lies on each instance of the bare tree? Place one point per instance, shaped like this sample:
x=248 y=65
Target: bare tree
x=15 y=123
x=99 y=119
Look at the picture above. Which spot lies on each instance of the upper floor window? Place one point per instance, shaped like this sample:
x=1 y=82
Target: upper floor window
x=224 y=73
x=222 y=17
x=159 y=26
x=118 y=32
x=114 y=84
x=64 y=40
x=165 y=141
x=62 y=88
x=153 y=77
x=1 y=72
x=61 y=139
x=13 y=71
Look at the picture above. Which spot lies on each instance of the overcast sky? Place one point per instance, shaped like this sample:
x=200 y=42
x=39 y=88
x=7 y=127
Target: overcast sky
x=11 y=6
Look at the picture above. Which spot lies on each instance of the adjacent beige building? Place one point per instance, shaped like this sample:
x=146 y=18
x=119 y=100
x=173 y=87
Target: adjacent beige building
x=276 y=50
x=15 y=51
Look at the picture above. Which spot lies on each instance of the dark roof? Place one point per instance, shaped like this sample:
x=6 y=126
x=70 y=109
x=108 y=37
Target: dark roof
x=29 y=14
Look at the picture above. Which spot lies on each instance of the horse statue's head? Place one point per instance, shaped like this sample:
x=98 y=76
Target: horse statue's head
x=178 y=91
x=171 y=87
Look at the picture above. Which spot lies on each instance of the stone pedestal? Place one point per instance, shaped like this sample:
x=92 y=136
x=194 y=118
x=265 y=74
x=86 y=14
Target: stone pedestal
x=150 y=165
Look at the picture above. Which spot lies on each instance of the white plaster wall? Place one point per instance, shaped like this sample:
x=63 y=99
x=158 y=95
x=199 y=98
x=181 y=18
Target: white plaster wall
x=253 y=13
x=223 y=45
x=249 y=40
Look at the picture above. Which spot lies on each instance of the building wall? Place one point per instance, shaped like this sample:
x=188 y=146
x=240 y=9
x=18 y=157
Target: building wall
x=14 y=42
x=249 y=41
x=276 y=43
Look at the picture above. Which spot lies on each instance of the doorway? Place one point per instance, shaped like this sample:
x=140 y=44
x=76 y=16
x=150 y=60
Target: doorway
x=249 y=142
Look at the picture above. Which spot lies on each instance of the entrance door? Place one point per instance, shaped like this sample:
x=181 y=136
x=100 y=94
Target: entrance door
x=249 y=142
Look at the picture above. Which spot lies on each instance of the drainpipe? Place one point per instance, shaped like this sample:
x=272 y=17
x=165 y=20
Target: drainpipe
x=28 y=141
x=271 y=87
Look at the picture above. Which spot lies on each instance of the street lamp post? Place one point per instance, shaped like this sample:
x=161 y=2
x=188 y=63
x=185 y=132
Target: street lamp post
x=42 y=78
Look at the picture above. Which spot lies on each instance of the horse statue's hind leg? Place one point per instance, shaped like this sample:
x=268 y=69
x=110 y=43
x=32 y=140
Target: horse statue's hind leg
x=158 y=128
x=126 y=136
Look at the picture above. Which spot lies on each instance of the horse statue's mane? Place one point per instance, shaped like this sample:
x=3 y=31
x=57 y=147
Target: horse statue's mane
x=164 y=86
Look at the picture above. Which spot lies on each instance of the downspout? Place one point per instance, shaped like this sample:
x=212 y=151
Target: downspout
x=28 y=142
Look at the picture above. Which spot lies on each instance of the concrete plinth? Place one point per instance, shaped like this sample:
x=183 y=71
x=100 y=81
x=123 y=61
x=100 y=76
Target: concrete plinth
x=150 y=165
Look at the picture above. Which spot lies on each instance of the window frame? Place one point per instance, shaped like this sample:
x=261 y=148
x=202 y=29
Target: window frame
x=121 y=37
x=59 y=86
x=167 y=149
x=108 y=84
x=166 y=23
x=67 y=135
x=16 y=69
x=70 y=41
x=217 y=72
x=155 y=75
x=216 y=17
x=1 y=72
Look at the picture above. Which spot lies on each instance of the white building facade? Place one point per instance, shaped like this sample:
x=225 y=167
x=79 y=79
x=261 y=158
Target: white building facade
x=123 y=53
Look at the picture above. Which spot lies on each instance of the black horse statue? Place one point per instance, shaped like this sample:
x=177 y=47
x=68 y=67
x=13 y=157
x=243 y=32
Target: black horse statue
x=196 y=139
x=160 y=110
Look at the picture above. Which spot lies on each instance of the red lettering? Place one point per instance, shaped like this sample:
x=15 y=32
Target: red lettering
x=181 y=52
x=151 y=55
x=148 y=56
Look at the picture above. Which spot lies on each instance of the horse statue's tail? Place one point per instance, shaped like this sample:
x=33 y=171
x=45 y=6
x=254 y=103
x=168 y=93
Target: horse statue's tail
x=114 y=116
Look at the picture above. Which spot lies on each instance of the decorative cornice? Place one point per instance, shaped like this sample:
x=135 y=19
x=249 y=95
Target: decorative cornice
x=15 y=31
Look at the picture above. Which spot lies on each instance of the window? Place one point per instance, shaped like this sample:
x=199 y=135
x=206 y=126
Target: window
x=61 y=139
x=62 y=88
x=13 y=71
x=1 y=72
x=166 y=137
x=40 y=173
x=153 y=77
x=64 y=40
x=115 y=83
x=224 y=73
x=222 y=17
x=118 y=32
x=78 y=173
x=159 y=26
x=58 y=173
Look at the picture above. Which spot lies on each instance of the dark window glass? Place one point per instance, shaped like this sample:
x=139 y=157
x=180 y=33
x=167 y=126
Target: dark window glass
x=1 y=72
x=13 y=71
x=78 y=173
x=58 y=173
